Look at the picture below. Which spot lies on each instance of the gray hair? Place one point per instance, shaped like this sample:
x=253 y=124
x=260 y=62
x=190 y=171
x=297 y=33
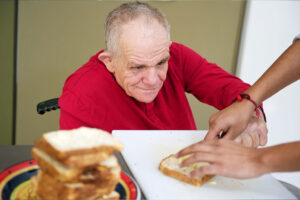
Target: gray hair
x=124 y=14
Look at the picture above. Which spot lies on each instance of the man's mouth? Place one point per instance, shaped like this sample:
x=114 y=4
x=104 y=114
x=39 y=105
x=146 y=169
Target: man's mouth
x=148 y=90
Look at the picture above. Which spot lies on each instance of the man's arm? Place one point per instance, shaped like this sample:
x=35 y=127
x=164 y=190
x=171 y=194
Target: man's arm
x=74 y=112
x=225 y=158
x=214 y=86
x=67 y=121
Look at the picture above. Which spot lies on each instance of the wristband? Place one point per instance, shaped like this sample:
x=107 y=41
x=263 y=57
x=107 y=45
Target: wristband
x=247 y=96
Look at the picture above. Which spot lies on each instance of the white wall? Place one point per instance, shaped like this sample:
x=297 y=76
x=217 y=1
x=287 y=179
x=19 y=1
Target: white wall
x=269 y=29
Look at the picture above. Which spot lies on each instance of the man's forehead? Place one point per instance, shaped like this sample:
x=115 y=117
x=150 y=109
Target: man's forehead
x=143 y=42
x=140 y=30
x=146 y=51
x=136 y=60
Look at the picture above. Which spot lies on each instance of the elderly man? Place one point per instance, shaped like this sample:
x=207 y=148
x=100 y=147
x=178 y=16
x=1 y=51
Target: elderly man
x=139 y=81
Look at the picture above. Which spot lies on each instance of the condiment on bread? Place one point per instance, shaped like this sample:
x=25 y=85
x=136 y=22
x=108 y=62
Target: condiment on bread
x=170 y=166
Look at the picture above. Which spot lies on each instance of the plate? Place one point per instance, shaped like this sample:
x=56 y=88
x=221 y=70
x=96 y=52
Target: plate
x=15 y=184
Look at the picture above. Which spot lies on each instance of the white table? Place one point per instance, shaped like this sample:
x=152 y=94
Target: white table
x=145 y=149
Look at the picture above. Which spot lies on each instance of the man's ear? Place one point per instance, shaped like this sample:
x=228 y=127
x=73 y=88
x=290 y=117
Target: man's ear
x=107 y=59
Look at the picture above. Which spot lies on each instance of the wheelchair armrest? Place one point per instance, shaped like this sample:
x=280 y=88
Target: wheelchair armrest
x=47 y=106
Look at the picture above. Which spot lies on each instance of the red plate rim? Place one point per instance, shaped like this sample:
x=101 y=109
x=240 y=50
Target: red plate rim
x=8 y=171
x=134 y=191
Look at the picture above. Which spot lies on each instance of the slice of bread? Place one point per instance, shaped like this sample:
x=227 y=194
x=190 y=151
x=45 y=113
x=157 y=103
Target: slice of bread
x=170 y=166
x=79 y=147
x=50 y=188
x=106 y=171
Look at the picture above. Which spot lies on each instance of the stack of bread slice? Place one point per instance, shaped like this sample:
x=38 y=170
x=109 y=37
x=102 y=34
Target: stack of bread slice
x=76 y=164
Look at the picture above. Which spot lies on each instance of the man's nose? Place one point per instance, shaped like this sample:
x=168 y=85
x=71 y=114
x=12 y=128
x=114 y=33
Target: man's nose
x=151 y=76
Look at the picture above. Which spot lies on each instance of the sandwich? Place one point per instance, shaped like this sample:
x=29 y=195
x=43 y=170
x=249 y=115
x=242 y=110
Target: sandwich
x=79 y=147
x=44 y=188
x=108 y=169
x=170 y=166
x=48 y=187
x=76 y=164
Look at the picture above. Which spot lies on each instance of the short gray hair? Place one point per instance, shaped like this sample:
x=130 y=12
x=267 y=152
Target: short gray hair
x=126 y=13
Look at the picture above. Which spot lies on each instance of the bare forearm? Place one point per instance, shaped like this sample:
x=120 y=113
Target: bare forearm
x=284 y=71
x=280 y=158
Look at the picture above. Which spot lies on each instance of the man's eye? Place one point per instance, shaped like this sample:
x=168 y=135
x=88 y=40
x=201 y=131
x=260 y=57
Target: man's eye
x=139 y=67
x=161 y=63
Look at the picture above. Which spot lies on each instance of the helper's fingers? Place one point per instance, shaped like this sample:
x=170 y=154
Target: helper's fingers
x=230 y=135
x=213 y=133
x=209 y=170
x=200 y=157
x=200 y=146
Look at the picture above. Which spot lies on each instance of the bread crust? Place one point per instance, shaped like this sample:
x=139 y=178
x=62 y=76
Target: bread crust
x=87 y=159
x=50 y=169
x=79 y=157
x=181 y=176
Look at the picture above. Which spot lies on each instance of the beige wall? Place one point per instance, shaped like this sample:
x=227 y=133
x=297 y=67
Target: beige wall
x=7 y=16
x=57 y=37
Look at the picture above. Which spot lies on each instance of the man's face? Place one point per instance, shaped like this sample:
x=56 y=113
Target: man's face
x=143 y=64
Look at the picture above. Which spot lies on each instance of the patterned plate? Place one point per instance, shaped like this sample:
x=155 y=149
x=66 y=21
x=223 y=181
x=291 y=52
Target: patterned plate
x=14 y=182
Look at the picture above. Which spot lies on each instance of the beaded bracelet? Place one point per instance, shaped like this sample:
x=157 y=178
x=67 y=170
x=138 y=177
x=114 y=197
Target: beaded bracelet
x=247 y=96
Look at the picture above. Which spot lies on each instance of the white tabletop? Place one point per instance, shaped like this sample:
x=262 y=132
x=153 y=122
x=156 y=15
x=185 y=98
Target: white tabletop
x=145 y=149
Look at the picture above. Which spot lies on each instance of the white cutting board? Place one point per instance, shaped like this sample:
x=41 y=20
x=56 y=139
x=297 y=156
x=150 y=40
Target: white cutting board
x=145 y=149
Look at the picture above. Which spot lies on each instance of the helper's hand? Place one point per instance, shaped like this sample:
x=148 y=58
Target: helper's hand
x=225 y=158
x=239 y=122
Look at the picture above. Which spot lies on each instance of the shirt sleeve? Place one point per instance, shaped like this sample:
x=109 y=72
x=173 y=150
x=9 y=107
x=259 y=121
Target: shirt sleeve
x=77 y=110
x=73 y=111
x=208 y=82
x=67 y=121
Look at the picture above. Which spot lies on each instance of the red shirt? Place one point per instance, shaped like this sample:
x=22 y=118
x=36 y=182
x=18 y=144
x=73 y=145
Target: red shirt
x=91 y=97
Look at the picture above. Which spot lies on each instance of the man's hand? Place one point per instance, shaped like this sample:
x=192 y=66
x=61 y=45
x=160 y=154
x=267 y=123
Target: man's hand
x=255 y=134
x=239 y=122
x=225 y=158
